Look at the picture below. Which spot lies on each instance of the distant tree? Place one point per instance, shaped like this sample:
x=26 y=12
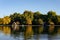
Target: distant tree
x=28 y=14
x=28 y=20
x=52 y=15
x=40 y=21
x=58 y=19
x=37 y=15
x=44 y=17
x=1 y=20
x=15 y=17
x=6 y=20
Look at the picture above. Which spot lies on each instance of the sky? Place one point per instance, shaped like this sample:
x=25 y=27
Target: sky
x=8 y=7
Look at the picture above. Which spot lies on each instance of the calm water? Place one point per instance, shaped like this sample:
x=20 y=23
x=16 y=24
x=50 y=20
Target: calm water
x=6 y=33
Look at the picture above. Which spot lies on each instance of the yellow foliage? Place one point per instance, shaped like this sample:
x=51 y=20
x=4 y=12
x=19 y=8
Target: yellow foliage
x=1 y=20
x=6 y=20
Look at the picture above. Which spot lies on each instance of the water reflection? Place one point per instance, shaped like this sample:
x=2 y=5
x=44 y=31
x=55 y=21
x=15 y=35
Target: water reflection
x=7 y=32
x=5 y=29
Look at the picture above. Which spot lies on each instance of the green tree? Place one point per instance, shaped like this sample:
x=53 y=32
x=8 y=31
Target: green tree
x=52 y=15
x=28 y=14
x=58 y=19
x=15 y=17
x=40 y=21
x=28 y=20
x=37 y=15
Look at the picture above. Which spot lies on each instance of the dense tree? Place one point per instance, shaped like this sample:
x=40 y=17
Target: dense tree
x=58 y=19
x=15 y=17
x=52 y=15
x=33 y=18
x=28 y=21
x=40 y=21
x=37 y=15
x=1 y=20
x=6 y=20
x=28 y=14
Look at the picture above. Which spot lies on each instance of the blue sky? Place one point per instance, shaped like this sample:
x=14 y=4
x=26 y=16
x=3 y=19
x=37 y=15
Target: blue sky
x=8 y=7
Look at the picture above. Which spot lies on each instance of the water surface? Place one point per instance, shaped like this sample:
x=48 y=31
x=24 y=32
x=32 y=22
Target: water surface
x=6 y=33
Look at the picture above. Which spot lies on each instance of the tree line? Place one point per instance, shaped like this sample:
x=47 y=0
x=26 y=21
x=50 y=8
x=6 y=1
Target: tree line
x=29 y=17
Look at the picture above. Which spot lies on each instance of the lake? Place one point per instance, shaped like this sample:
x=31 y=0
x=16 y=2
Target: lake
x=6 y=33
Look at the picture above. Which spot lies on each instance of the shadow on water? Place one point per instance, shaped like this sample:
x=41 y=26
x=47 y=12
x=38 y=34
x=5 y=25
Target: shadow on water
x=30 y=32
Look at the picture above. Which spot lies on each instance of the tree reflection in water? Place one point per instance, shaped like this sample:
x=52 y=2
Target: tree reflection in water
x=27 y=34
x=5 y=29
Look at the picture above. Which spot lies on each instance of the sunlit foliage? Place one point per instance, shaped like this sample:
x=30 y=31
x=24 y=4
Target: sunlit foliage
x=6 y=20
x=32 y=18
x=1 y=20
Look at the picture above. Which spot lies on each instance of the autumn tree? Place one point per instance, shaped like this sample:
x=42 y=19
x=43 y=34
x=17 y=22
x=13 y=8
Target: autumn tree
x=6 y=20
x=1 y=20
